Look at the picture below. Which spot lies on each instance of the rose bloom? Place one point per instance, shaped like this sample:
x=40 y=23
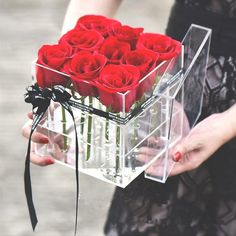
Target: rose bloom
x=89 y=40
x=99 y=23
x=52 y=57
x=127 y=34
x=167 y=47
x=83 y=69
x=117 y=83
x=114 y=50
x=145 y=61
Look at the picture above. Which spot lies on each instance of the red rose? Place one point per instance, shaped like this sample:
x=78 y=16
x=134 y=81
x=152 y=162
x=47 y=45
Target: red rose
x=145 y=61
x=127 y=34
x=114 y=50
x=52 y=57
x=96 y=22
x=117 y=86
x=89 y=40
x=167 y=47
x=83 y=69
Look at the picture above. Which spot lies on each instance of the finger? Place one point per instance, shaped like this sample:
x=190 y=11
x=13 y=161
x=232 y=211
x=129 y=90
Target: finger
x=60 y=140
x=148 y=151
x=189 y=162
x=179 y=168
x=155 y=170
x=36 y=137
x=143 y=158
x=41 y=161
x=146 y=154
x=155 y=142
x=59 y=154
x=184 y=147
x=30 y=115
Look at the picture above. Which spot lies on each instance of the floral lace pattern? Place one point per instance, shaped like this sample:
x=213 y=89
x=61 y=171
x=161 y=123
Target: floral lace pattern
x=220 y=90
x=225 y=7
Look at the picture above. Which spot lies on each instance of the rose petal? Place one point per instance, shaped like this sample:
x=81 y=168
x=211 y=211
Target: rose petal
x=117 y=85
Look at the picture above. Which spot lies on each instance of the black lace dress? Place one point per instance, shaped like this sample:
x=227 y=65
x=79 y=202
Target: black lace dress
x=201 y=202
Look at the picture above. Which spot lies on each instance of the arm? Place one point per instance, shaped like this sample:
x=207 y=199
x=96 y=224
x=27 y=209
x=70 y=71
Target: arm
x=77 y=8
x=204 y=139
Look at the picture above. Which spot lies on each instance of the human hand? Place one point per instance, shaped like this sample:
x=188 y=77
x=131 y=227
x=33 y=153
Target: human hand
x=39 y=138
x=156 y=144
x=202 y=141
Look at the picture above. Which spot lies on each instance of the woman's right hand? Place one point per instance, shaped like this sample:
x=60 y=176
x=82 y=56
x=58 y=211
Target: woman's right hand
x=36 y=138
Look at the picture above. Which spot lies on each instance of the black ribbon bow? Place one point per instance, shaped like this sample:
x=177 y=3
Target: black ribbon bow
x=40 y=99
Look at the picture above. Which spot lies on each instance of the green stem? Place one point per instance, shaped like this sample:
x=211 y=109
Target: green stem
x=117 y=149
x=63 y=113
x=82 y=119
x=89 y=130
x=135 y=133
x=107 y=128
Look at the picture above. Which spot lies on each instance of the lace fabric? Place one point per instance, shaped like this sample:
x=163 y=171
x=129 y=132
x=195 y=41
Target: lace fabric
x=201 y=202
x=198 y=203
x=224 y=7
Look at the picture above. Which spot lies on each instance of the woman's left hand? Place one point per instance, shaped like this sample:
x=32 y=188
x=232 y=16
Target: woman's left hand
x=201 y=142
x=196 y=147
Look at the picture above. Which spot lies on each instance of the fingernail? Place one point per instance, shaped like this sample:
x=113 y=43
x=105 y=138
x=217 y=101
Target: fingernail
x=43 y=140
x=177 y=156
x=49 y=161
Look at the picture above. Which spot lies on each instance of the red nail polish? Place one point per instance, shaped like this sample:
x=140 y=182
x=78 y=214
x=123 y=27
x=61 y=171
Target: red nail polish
x=177 y=156
x=44 y=140
x=49 y=161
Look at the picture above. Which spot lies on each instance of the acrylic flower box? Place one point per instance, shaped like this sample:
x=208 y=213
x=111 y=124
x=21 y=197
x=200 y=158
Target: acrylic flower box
x=117 y=146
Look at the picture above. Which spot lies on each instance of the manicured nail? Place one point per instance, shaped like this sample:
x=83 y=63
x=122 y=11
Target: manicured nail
x=49 y=161
x=177 y=156
x=43 y=140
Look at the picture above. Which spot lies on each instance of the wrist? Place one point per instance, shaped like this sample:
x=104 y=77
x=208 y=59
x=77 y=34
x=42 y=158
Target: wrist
x=230 y=121
x=233 y=119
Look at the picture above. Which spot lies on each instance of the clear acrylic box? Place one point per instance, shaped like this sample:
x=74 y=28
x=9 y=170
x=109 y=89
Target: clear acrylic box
x=185 y=97
x=117 y=146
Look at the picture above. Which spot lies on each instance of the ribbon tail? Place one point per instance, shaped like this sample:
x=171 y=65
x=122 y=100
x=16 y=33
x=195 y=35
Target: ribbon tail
x=27 y=178
x=68 y=108
x=28 y=188
x=77 y=175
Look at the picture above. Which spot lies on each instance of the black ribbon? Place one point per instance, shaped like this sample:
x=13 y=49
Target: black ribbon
x=40 y=99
